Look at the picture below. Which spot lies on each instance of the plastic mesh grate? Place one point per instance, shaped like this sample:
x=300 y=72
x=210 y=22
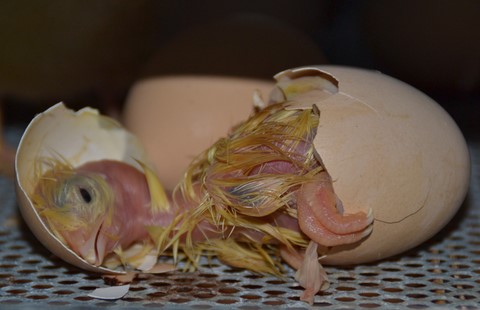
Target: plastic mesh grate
x=443 y=272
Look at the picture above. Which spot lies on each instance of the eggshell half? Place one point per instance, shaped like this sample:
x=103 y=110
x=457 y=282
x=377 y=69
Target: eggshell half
x=388 y=147
x=78 y=137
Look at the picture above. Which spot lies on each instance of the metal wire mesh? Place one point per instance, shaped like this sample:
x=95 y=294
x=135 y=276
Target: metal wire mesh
x=443 y=272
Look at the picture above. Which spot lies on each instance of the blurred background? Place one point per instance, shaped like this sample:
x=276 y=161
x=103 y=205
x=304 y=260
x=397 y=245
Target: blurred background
x=91 y=52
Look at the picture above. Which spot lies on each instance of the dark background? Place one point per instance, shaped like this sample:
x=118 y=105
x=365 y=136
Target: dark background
x=91 y=52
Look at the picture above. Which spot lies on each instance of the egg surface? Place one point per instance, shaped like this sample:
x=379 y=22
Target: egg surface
x=388 y=147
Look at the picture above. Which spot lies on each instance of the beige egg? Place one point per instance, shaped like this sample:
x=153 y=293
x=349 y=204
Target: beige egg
x=78 y=137
x=388 y=147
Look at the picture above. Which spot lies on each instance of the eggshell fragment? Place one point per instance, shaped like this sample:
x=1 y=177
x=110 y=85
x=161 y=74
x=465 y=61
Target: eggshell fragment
x=78 y=137
x=388 y=147
x=110 y=293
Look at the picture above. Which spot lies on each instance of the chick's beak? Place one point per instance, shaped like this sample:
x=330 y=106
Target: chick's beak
x=91 y=245
x=93 y=248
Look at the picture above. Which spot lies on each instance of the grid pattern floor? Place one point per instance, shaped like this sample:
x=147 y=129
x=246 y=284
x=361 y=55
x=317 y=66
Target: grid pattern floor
x=442 y=273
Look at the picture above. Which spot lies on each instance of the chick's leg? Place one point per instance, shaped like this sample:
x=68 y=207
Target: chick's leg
x=319 y=218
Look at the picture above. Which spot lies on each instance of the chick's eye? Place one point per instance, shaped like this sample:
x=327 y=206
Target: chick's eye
x=77 y=191
x=82 y=198
x=85 y=194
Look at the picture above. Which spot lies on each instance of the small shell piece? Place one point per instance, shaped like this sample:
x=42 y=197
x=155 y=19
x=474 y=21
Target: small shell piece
x=78 y=137
x=388 y=147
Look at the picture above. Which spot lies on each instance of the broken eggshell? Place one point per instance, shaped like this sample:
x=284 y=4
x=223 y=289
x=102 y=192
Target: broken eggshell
x=387 y=146
x=78 y=137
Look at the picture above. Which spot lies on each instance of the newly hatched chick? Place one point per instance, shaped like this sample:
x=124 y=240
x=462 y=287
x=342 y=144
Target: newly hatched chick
x=258 y=194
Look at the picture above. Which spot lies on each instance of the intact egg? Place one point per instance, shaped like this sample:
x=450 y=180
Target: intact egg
x=78 y=137
x=387 y=146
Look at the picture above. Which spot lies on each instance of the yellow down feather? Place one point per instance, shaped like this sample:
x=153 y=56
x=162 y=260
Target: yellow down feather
x=230 y=196
x=159 y=199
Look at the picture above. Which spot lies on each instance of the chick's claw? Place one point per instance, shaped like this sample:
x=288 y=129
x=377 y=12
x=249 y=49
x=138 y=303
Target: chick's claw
x=320 y=220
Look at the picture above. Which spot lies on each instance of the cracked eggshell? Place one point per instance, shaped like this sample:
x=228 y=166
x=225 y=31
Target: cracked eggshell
x=78 y=137
x=388 y=147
